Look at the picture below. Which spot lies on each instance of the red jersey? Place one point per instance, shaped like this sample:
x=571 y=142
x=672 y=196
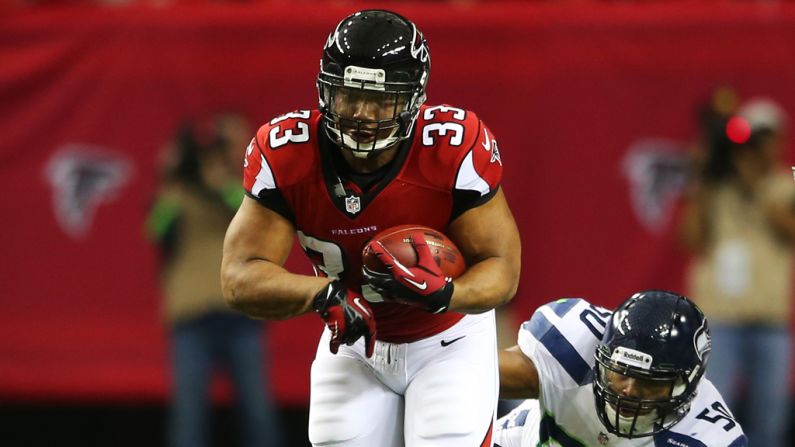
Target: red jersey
x=450 y=164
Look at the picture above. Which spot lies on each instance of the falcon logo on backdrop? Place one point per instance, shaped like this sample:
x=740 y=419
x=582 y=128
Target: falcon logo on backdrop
x=82 y=177
x=657 y=172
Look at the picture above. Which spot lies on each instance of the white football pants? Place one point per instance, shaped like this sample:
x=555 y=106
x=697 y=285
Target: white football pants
x=440 y=391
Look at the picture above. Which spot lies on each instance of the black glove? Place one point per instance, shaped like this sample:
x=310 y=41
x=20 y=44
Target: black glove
x=347 y=315
x=423 y=285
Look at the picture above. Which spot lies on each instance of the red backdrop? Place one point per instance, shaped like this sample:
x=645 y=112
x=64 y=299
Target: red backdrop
x=570 y=92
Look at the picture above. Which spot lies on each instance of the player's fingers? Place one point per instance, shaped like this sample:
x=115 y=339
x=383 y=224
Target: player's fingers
x=377 y=280
x=369 y=343
x=383 y=254
x=372 y=334
x=378 y=248
x=390 y=261
x=424 y=255
x=333 y=325
x=418 y=240
x=371 y=276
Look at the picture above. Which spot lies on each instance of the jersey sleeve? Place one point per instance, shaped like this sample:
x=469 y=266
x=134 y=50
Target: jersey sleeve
x=479 y=174
x=709 y=423
x=260 y=183
x=560 y=339
x=280 y=156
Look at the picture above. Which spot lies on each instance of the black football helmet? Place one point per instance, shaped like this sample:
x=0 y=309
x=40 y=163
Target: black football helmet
x=659 y=339
x=379 y=56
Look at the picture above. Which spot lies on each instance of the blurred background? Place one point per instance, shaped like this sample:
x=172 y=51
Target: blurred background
x=604 y=111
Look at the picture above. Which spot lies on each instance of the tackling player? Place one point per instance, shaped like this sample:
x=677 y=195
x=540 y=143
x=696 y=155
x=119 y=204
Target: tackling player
x=633 y=377
x=371 y=157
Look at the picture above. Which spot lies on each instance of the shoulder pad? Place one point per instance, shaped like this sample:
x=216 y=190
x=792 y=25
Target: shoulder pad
x=708 y=423
x=445 y=126
x=481 y=169
x=561 y=338
x=282 y=152
x=456 y=137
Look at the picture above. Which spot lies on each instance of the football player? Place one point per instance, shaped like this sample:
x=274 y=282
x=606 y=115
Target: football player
x=633 y=377
x=417 y=366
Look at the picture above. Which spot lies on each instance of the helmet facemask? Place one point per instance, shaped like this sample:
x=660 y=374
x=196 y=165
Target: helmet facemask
x=634 y=417
x=365 y=114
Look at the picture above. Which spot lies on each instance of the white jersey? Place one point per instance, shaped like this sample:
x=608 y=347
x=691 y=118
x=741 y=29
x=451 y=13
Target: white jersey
x=561 y=339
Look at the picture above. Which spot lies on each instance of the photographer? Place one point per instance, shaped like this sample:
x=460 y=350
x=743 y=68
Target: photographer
x=739 y=221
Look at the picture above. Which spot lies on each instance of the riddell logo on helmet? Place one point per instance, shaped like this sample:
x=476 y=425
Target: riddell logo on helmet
x=631 y=357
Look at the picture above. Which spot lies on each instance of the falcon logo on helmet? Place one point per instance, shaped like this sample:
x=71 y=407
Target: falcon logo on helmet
x=419 y=49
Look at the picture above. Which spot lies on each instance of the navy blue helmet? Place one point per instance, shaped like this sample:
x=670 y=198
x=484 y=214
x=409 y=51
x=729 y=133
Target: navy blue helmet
x=379 y=56
x=656 y=340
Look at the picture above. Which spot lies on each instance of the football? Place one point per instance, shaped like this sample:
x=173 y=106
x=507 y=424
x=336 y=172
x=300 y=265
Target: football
x=397 y=241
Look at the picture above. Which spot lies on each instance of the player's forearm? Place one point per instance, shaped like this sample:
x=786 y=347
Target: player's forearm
x=262 y=289
x=486 y=285
x=518 y=375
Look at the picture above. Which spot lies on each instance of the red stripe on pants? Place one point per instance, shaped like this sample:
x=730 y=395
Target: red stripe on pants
x=487 y=440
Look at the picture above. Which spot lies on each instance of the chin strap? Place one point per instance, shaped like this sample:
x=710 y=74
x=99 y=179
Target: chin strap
x=363 y=154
